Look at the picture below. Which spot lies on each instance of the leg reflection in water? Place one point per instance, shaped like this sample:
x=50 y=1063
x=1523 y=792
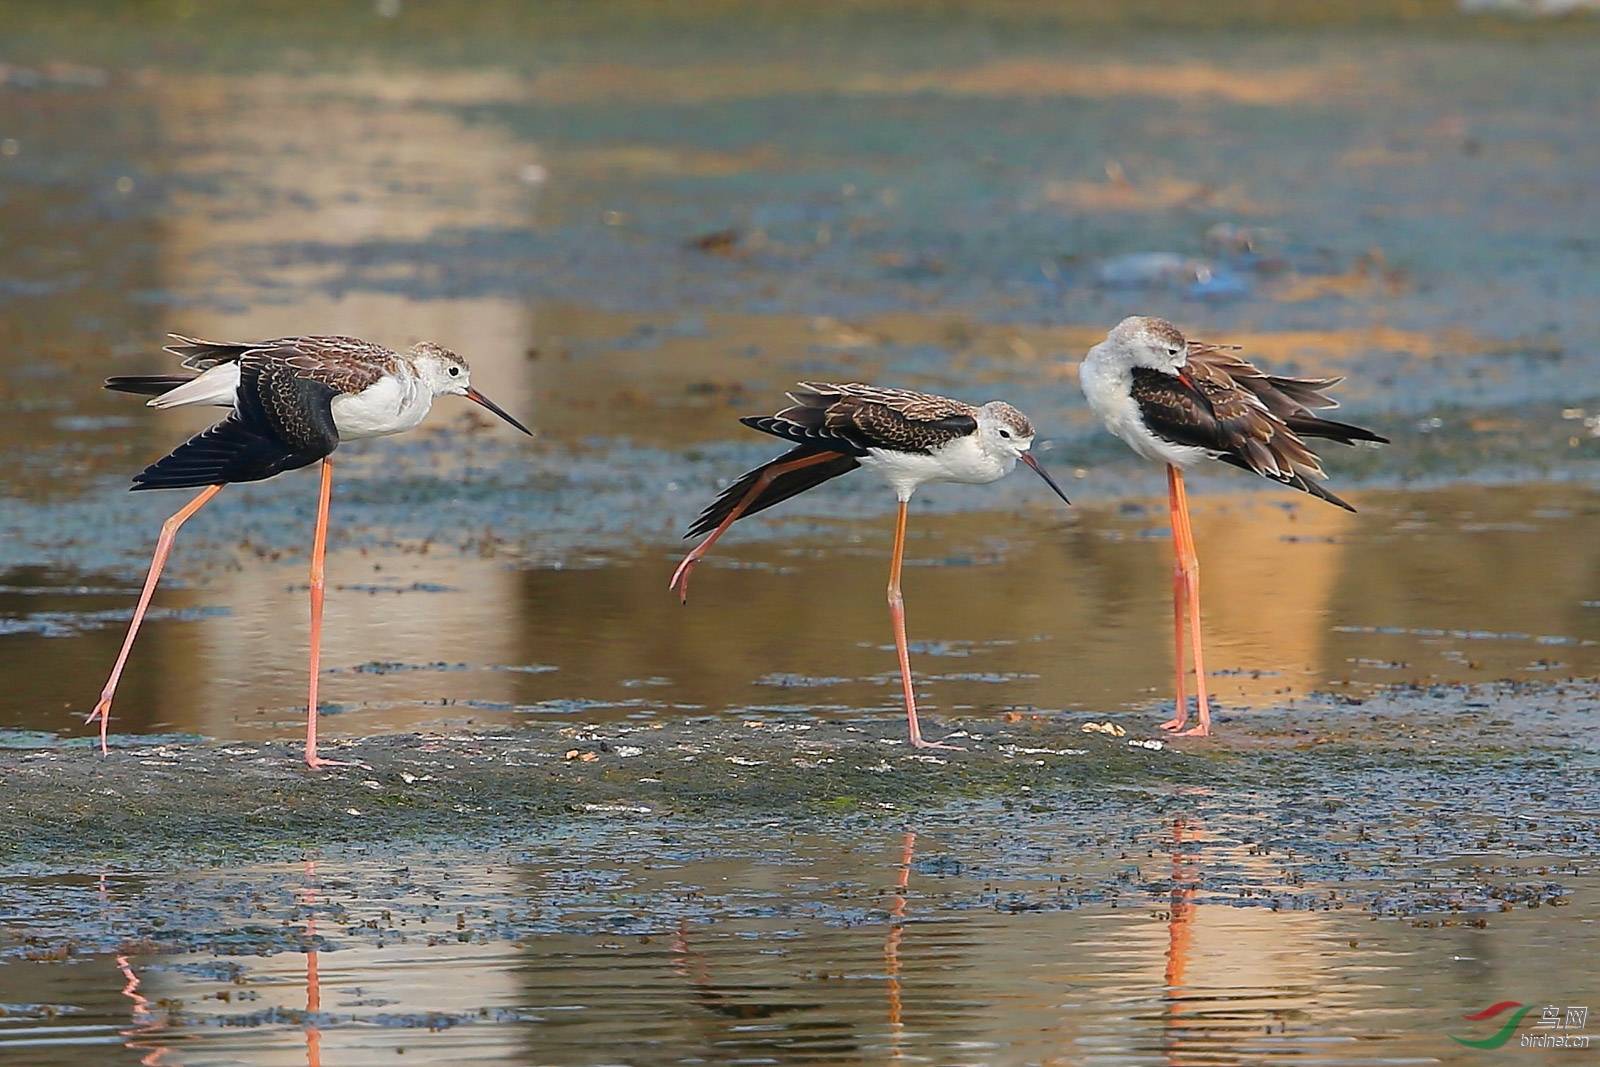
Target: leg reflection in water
x=1180 y=932
x=146 y=1023
x=308 y=901
x=891 y=946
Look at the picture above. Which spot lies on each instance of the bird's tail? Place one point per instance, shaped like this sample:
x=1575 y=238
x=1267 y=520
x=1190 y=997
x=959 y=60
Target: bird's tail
x=1316 y=489
x=1329 y=430
x=147 y=384
x=1295 y=477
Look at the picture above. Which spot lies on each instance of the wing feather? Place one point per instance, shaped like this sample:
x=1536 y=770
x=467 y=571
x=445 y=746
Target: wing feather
x=855 y=418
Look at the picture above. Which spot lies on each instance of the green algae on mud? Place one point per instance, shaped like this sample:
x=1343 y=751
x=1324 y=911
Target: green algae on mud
x=216 y=799
x=173 y=803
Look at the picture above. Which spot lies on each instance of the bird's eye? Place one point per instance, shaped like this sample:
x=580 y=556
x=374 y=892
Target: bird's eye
x=455 y=372
x=1006 y=434
x=1173 y=351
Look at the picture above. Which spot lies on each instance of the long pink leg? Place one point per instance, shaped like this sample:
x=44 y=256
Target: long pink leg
x=1180 y=586
x=1191 y=568
x=897 y=611
x=680 y=577
x=169 y=532
x=319 y=549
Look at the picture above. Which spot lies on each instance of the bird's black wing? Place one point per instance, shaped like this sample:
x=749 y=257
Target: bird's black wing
x=1178 y=413
x=1293 y=400
x=1219 y=415
x=781 y=488
x=283 y=421
x=291 y=404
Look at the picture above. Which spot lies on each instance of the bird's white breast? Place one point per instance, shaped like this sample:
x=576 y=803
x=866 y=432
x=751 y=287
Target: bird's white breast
x=1109 y=391
x=962 y=460
x=392 y=404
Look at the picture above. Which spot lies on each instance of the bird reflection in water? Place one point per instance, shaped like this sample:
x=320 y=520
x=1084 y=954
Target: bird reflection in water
x=693 y=965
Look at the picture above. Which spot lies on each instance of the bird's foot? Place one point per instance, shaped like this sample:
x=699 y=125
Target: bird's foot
x=1176 y=723
x=1200 y=730
x=101 y=710
x=917 y=742
x=680 y=579
x=102 y=715
x=317 y=763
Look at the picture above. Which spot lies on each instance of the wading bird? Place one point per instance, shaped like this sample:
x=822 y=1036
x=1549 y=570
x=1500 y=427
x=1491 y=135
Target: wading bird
x=1178 y=402
x=294 y=399
x=909 y=439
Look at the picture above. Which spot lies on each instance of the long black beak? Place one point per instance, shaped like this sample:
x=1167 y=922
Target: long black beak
x=1027 y=457
x=478 y=398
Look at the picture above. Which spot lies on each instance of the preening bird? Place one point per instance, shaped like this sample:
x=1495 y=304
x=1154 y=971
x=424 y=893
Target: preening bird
x=1179 y=402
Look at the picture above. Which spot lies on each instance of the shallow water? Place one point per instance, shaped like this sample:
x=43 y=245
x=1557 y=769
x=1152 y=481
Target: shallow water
x=1043 y=609
x=639 y=228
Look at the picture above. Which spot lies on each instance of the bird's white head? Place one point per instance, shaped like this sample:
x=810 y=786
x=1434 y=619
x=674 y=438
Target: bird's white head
x=441 y=370
x=1140 y=341
x=446 y=374
x=1005 y=435
x=1003 y=432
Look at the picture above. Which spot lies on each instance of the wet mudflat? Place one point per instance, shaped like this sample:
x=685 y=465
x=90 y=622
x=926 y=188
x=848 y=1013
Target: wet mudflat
x=1333 y=886
x=594 y=826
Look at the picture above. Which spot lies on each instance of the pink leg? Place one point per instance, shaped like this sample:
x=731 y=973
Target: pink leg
x=1180 y=587
x=1191 y=571
x=319 y=549
x=897 y=612
x=169 y=532
x=680 y=577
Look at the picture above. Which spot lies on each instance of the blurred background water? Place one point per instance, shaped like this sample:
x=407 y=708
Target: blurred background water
x=640 y=221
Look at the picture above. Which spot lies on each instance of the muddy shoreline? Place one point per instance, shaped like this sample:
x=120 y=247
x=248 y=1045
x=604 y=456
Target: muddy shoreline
x=169 y=803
